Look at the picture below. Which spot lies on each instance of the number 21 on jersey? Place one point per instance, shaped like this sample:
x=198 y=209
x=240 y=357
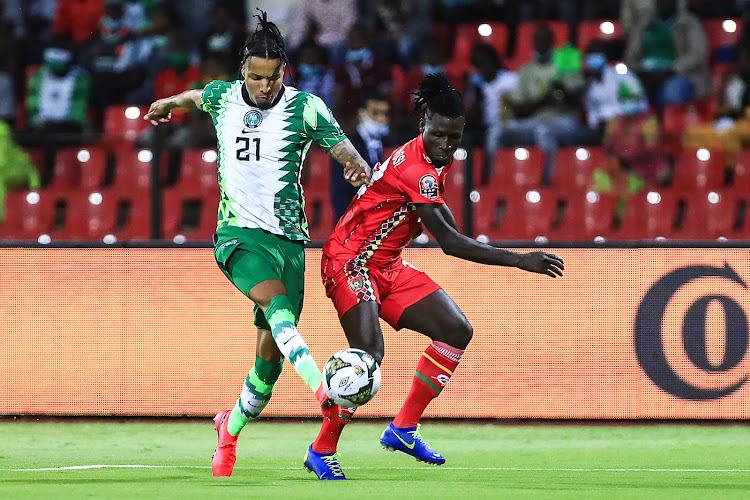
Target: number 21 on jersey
x=243 y=153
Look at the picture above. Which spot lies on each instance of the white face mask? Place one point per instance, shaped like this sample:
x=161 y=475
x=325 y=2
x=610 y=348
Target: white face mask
x=373 y=128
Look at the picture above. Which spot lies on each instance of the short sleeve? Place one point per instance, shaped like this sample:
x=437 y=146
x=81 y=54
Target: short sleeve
x=212 y=95
x=319 y=124
x=420 y=184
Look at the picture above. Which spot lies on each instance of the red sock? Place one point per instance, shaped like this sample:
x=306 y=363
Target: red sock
x=434 y=370
x=334 y=419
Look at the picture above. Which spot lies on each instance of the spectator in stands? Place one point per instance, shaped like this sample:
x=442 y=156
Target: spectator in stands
x=668 y=48
x=361 y=73
x=114 y=58
x=284 y=13
x=58 y=96
x=400 y=27
x=730 y=130
x=8 y=65
x=329 y=22
x=601 y=98
x=312 y=74
x=546 y=100
x=636 y=159
x=374 y=115
x=224 y=37
x=16 y=169
x=488 y=91
x=78 y=20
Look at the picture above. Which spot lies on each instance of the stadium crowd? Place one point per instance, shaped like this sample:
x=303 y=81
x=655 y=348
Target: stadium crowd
x=587 y=118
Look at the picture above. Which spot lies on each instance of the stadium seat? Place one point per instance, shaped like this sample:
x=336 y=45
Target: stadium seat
x=574 y=167
x=741 y=177
x=318 y=208
x=188 y=212
x=317 y=166
x=28 y=214
x=587 y=215
x=513 y=214
x=470 y=34
x=713 y=214
x=520 y=167
x=454 y=193
x=525 y=40
x=723 y=32
x=650 y=215
x=133 y=168
x=699 y=168
x=89 y=215
x=676 y=118
x=604 y=29
x=123 y=123
x=79 y=168
x=198 y=169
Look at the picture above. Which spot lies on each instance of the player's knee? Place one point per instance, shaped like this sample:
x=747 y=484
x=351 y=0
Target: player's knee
x=460 y=334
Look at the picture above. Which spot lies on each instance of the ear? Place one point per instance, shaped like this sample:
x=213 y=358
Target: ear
x=421 y=125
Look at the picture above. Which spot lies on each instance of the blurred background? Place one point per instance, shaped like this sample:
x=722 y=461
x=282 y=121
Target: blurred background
x=588 y=120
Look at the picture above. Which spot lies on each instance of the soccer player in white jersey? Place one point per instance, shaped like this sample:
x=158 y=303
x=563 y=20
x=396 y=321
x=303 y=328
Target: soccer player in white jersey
x=264 y=130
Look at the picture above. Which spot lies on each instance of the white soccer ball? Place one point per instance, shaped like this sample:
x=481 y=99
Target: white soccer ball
x=351 y=377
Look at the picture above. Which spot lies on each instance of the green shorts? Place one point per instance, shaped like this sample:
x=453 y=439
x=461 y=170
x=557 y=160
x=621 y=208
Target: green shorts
x=250 y=256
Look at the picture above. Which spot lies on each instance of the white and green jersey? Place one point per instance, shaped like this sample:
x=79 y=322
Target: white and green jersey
x=261 y=153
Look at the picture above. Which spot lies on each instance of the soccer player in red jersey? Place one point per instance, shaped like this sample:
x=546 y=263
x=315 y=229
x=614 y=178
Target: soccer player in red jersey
x=366 y=278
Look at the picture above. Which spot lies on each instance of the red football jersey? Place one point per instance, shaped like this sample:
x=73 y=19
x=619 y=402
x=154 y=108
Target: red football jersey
x=382 y=219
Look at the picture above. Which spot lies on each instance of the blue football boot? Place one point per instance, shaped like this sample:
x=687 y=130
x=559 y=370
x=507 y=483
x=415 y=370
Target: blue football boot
x=410 y=442
x=324 y=465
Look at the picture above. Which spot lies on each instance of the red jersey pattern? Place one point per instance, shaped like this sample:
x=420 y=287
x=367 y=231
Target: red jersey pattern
x=382 y=219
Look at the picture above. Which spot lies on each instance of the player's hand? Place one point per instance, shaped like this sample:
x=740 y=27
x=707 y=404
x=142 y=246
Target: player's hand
x=542 y=263
x=159 y=112
x=358 y=175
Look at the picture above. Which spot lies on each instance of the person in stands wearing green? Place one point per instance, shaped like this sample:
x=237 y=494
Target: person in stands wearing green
x=264 y=130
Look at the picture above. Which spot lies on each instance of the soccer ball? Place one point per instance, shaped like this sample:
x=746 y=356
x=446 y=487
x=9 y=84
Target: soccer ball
x=351 y=377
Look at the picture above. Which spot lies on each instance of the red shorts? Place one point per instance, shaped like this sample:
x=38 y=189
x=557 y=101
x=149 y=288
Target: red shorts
x=395 y=287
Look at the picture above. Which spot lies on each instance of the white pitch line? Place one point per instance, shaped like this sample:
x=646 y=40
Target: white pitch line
x=506 y=469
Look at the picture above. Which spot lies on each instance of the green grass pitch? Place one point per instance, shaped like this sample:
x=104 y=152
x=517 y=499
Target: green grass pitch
x=483 y=461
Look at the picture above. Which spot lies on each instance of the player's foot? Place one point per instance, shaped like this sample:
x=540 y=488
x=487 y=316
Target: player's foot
x=226 y=451
x=324 y=465
x=410 y=442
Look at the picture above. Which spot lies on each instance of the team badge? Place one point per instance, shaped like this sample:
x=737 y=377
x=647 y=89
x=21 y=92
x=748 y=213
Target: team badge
x=356 y=283
x=253 y=118
x=428 y=187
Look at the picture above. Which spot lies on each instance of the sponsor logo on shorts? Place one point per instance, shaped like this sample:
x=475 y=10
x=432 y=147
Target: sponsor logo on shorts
x=356 y=283
x=228 y=243
x=428 y=187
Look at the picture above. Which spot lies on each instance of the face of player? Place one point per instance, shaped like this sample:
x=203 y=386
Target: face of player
x=263 y=78
x=442 y=136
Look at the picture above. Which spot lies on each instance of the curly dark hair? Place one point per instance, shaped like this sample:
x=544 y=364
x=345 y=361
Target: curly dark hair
x=437 y=95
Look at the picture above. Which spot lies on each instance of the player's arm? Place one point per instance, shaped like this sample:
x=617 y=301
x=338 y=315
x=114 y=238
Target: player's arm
x=436 y=218
x=161 y=110
x=356 y=169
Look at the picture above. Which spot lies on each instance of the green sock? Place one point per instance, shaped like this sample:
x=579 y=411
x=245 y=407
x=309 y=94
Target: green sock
x=255 y=394
x=290 y=342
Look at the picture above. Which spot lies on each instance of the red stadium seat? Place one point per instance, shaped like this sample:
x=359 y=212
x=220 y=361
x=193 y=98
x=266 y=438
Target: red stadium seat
x=317 y=165
x=525 y=40
x=28 y=214
x=176 y=220
x=133 y=168
x=123 y=123
x=716 y=31
x=454 y=193
x=676 y=118
x=468 y=35
x=79 y=168
x=198 y=169
x=699 y=168
x=741 y=180
x=587 y=215
x=520 y=167
x=90 y=216
x=604 y=29
x=574 y=167
x=513 y=214
x=650 y=215
x=713 y=214
x=318 y=208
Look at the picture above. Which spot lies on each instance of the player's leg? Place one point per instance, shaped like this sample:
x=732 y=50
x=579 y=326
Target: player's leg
x=256 y=392
x=417 y=303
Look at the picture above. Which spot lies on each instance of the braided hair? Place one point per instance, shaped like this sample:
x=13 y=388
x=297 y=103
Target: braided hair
x=437 y=95
x=266 y=42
